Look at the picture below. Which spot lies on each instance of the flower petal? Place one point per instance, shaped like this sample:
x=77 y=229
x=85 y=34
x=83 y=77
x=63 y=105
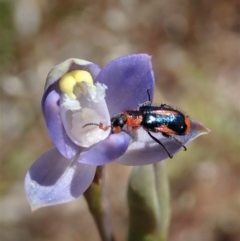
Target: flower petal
x=128 y=78
x=52 y=179
x=50 y=106
x=91 y=134
x=50 y=103
x=107 y=150
x=146 y=151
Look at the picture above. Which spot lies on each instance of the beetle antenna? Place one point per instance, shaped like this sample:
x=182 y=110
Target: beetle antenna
x=90 y=124
x=148 y=92
x=100 y=125
x=147 y=103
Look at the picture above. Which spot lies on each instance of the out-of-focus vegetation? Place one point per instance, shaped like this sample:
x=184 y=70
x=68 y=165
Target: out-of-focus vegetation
x=196 y=59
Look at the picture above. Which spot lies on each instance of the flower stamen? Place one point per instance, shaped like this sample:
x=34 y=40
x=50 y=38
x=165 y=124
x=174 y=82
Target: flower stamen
x=80 y=89
x=68 y=82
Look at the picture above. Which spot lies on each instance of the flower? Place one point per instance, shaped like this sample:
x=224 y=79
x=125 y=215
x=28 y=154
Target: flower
x=78 y=92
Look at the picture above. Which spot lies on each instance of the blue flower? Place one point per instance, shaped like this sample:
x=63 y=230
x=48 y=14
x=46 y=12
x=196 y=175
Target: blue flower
x=78 y=92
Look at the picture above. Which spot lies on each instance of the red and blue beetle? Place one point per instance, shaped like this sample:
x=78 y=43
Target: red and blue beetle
x=164 y=119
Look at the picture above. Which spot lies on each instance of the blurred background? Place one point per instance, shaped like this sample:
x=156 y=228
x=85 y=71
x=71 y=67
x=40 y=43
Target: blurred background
x=196 y=59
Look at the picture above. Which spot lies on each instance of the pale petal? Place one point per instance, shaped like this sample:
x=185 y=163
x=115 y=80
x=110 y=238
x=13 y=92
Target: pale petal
x=128 y=79
x=53 y=179
x=90 y=134
x=89 y=111
x=50 y=103
x=51 y=112
x=145 y=151
x=106 y=151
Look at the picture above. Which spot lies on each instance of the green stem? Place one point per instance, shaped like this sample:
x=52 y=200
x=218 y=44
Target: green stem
x=163 y=194
x=144 y=214
x=96 y=201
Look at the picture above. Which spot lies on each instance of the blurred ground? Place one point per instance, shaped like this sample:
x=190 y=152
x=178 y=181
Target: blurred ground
x=196 y=59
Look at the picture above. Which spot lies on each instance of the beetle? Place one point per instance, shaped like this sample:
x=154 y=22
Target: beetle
x=164 y=119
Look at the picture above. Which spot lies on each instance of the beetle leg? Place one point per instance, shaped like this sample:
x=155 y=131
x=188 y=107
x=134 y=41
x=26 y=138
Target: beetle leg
x=175 y=139
x=160 y=143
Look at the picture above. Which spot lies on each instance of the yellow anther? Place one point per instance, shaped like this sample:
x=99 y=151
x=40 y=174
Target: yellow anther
x=66 y=84
x=82 y=76
x=69 y=80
